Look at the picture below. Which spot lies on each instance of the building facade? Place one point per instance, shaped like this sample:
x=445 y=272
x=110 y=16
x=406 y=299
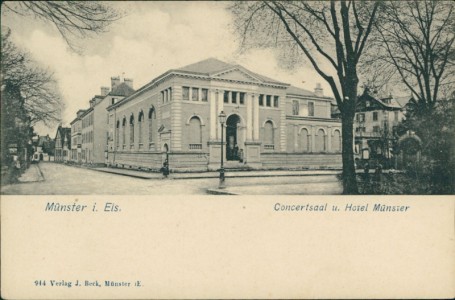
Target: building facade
x=269 y=124
x=76 y=137
x=62 y=144
x=375 y=125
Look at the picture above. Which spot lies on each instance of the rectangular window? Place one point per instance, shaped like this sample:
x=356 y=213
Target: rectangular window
x=162 y=97
x=375 y=116
x=113 y=101
x=268 y=100
x=195 y=94
x=242 y=98
x=226 y=97
x=295 y=107
x=375 y=128
x=396 y=116
x=204 y=96
x=361 y=117
x=186 y=93
x=311 y=109
x=261 y=100
x=234 y=97
x=275 y=101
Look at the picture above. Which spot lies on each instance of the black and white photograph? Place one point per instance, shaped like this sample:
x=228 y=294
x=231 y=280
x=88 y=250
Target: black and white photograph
x=254 y=101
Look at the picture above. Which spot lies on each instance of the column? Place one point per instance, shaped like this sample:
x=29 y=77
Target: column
x=229 y=97
x=220 y=108
x=255 y=118
x=213 y=115
x=249 y=116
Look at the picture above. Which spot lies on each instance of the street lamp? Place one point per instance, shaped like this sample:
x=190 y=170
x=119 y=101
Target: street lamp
x=222 y=118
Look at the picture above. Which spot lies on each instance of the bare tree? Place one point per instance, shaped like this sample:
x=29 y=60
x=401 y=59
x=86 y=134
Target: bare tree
x=414 y=41
x=73 y=19
x=37 y=93
x=332 y=36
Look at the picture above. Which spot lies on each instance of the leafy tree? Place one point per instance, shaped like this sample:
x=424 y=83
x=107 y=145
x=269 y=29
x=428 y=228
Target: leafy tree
x=332 y=36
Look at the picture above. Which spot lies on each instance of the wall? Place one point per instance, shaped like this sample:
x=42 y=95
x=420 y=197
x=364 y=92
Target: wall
x=301 y=161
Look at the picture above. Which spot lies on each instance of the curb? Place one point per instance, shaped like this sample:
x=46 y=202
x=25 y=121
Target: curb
x=220 y=192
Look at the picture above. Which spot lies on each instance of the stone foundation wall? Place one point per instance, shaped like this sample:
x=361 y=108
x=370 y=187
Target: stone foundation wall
x=154 y=161
x=301 y=161
x=136 y=160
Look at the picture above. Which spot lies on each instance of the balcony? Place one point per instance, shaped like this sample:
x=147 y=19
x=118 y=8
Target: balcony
x=195 y=146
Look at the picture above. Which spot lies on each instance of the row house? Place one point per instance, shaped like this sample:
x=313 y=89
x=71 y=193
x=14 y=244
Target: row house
x=62 y=144
x=90 y=127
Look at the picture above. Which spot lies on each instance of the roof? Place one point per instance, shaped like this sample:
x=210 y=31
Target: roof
x=122 y=89
x=402 y=101
x=207 y=67
x=64 y=132
x=212 y=66
x=298 y=91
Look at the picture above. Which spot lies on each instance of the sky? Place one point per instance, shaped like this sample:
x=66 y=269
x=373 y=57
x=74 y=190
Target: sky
x=150 y=39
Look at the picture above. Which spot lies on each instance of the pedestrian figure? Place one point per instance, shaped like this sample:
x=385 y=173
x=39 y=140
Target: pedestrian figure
x=378 y=178
x=165 y=168
x=366 y=177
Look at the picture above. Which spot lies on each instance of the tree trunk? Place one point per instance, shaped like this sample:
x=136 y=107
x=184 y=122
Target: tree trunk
x=349 y=174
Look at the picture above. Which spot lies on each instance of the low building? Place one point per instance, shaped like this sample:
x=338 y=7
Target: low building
x=62 y=144
x=269 y=124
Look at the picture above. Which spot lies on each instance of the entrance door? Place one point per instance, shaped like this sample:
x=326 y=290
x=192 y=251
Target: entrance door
x=232 y=148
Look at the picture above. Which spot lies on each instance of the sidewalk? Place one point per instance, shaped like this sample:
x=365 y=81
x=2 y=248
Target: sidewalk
x=32 y=174
x=214 y=174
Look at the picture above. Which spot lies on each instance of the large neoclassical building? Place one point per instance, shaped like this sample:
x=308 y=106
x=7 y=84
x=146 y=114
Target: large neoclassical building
x=269 y=124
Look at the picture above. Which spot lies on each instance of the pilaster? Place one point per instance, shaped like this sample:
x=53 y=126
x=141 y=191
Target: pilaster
x=176 y=120
x=283 y=137
x=249 y=116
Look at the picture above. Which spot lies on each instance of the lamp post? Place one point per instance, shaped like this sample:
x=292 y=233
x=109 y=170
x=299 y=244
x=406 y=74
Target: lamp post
x=222 y=119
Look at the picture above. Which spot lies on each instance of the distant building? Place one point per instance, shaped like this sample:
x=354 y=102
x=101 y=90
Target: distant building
x=62 y=144
x=76 y=137
x=94 y=121
x=376 y=120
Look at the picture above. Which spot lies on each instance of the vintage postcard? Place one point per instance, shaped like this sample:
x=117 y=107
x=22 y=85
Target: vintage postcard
x=239 y=149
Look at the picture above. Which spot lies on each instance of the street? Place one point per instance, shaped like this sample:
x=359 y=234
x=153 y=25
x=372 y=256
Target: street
x=61 y=179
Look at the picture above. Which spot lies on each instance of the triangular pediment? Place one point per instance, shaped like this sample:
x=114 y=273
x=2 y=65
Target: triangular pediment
x=238 y=74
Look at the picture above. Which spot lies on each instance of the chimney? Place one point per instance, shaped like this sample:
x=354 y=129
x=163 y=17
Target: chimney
x=128 y=82
x=115 y=81
x=318 y=90
x=104 y=90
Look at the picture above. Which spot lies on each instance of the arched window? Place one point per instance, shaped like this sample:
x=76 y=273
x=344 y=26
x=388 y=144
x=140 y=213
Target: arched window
x=124 y=132
x=320 y=141
x=336 y=141
x=152 y=124
x=304 y=140
x=195 y=134
x=140 y=120
x=131 y=130
x=117 y=134
x=269 y=139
